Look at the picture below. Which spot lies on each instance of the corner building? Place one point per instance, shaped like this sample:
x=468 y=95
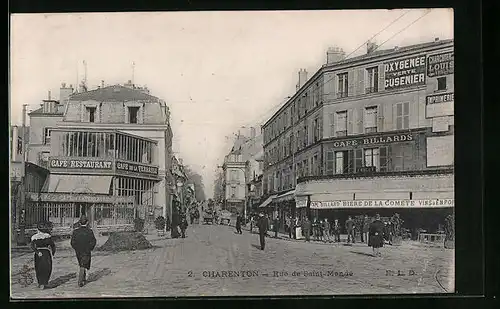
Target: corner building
x=365 y=135
x=110 y=160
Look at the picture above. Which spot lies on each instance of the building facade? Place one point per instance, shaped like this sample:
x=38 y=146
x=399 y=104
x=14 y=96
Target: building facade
x=371 y=130
x=234 y=184
x=109 y=156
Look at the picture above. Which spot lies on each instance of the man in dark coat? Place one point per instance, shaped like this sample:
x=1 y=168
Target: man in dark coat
x=349 y=226
x=306 y=228
x=376 y=235
x=336 y=230
x=83 y=241
x=262 y=224
x=238 y=224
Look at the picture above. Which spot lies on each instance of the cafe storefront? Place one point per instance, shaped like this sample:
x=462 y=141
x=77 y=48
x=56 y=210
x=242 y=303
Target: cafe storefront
x=422 y=199
x=109 y=176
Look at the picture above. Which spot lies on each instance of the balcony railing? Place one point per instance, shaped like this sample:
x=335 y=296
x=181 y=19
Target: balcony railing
x=342 y=94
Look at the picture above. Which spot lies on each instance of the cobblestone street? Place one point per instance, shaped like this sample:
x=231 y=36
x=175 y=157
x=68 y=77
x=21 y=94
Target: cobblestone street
x=201 y=263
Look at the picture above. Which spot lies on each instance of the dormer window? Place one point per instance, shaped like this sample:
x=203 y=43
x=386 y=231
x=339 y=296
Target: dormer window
x=132 y=114
x=91 y=114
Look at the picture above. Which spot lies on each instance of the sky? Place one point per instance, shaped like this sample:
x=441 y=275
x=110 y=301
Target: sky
x=217 y=71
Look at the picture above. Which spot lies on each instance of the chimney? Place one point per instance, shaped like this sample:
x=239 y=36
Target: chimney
x=436 y=39
x=334 y=54
x=252 y=132
x=396 y=47
x=102 y=83
x=302 y=78
x=370 y=47
x=48 y=97
x=65 y=93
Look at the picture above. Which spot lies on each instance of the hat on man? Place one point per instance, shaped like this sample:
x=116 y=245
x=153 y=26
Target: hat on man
x=83 y=220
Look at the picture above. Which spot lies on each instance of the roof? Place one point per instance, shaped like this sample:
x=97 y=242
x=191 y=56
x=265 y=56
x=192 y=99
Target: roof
x=385 y=52
x=376 y=53
x=113 y=93
x=39 y=111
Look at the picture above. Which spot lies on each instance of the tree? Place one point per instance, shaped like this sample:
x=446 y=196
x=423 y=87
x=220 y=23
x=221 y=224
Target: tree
x=219 y=187
x=196 y=179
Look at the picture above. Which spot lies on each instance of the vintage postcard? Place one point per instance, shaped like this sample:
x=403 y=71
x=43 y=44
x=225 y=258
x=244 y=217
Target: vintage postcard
x=235 y=153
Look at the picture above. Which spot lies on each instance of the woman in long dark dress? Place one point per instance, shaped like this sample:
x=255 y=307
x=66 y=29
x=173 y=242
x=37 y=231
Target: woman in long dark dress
x=376 y=235
x=43 y=246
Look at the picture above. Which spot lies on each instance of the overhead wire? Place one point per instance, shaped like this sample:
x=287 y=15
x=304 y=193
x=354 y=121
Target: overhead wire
x=363 y=44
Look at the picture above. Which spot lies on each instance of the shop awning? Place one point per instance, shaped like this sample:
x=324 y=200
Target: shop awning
x=327 y=197
x=268 y=201
x=285 y=197
x=95 y=184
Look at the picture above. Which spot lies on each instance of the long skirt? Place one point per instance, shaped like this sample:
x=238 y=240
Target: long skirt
x=43 y=266
x=376 y=241
x=84 y=260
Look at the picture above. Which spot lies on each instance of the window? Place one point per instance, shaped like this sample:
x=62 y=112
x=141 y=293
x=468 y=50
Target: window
x=330 y=162
x=342 y=86
x=91 y=114
x=316 y=129
x=132 y=114
x=306 y=135
x=46 y=135
x=370 y=119
x=341 y=123
x=372 y=74
x=441 y=83
x=402 y=115
x=233 y=192
x=234 y=176
x=44 y=159
x=339 y=162
x=314 y=165
x=372 y=158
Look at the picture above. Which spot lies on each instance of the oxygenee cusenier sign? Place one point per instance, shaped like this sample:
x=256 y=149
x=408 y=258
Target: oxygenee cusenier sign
x=80 y=164
x=136 y=168
x=404 y=73
x=440 y=64
x=366 y=141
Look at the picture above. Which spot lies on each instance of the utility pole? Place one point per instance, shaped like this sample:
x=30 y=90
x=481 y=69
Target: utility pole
x=21 y=218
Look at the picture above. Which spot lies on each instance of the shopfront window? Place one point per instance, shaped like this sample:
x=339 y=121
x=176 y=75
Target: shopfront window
x=372 y=158
x=402 y=157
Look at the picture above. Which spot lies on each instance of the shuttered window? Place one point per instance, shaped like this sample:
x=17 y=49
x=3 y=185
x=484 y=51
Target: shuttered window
x=372 y=80
x=370 y=119
x=341 y=123
x=402 y=115
x=330 y=161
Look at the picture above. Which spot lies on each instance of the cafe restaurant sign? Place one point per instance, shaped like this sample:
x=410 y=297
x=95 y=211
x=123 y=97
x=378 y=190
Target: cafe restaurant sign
x=365 y=141
x=421 y=203
x=80 y=164
x=404 y=73
x=136 y=168
x=440 y=64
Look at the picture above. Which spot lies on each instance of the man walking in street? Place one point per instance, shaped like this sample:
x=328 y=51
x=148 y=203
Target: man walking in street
x=326 y=230
x=238 y=224
x=262 y=224
x=349 y=225
x=83 y=242
x=275 y=226
x=307 y=229
x=336 y=230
